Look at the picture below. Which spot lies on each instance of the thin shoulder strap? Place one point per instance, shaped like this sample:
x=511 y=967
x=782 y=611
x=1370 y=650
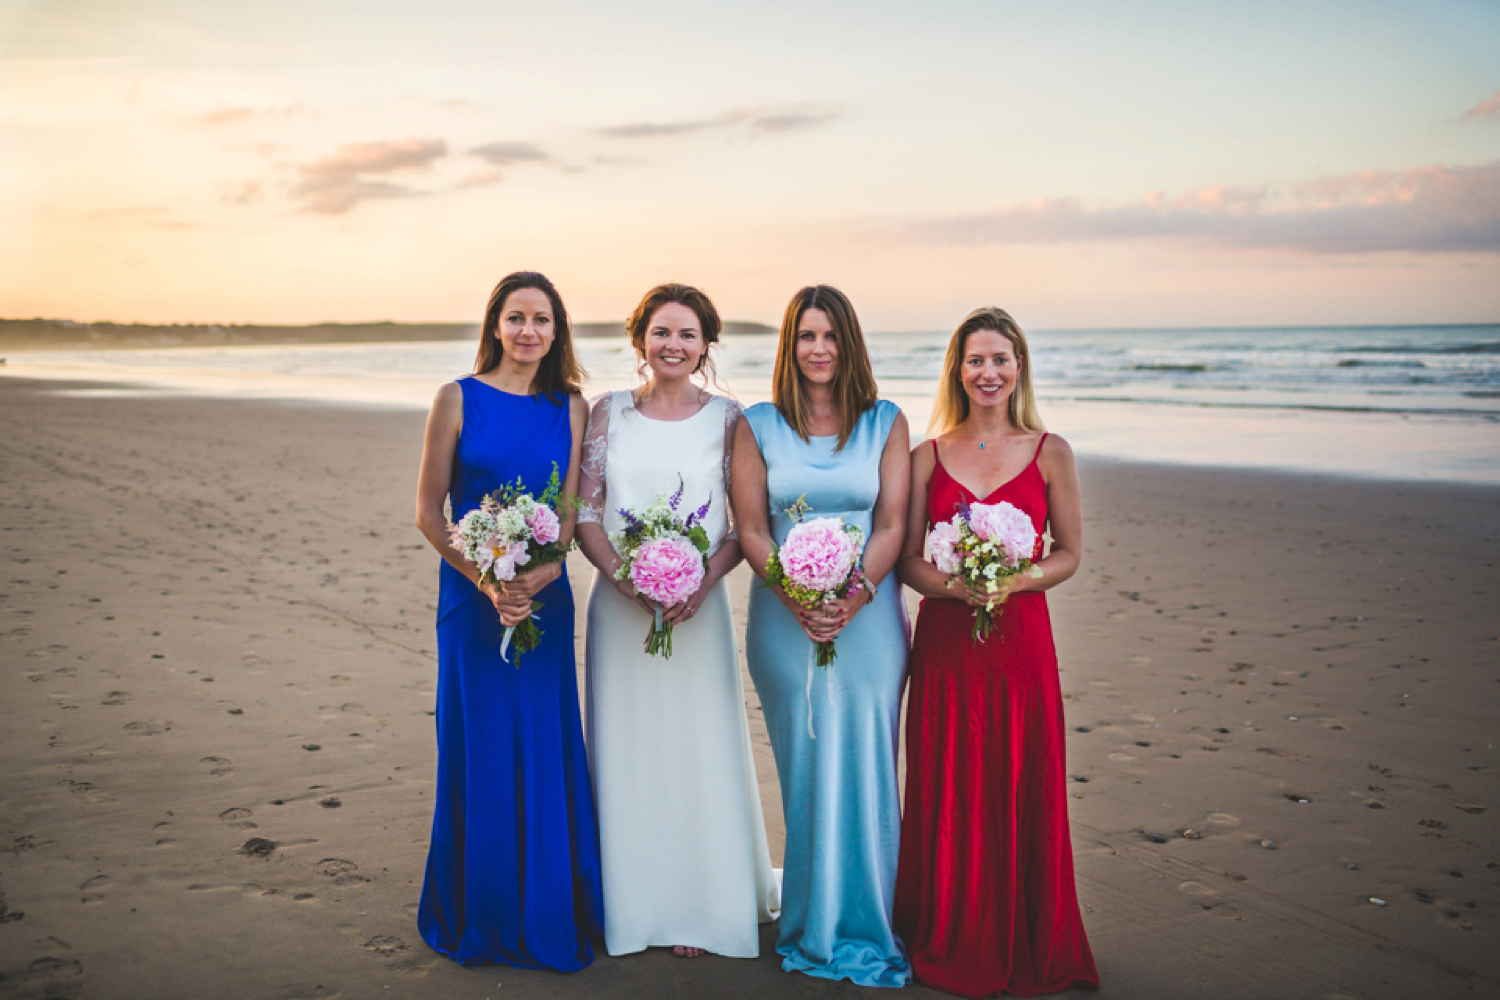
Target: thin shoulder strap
x=1045 y=436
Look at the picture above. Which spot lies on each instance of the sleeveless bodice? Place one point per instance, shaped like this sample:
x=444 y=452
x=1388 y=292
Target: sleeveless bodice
x=647 y=458
x=1027 y=491
x=503 y=437
x=836 y=481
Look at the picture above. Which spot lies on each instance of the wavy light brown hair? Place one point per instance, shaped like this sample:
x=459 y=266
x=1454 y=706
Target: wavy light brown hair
x=559 y=373
x=951 y=405
x=709 y=324
x=853 y=382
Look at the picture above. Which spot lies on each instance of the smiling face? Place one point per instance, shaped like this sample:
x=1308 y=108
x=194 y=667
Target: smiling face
x=817 y=347
x=526 y=327
x=674 y=344
x=989 y=369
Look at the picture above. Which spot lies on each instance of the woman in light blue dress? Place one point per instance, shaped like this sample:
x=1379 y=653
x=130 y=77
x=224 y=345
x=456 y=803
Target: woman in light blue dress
x=827 y=439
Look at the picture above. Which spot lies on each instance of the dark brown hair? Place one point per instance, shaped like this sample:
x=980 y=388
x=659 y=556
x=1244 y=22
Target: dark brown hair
x=951 y=407
x=559 y=372
x=709 y=324
x=853 y=380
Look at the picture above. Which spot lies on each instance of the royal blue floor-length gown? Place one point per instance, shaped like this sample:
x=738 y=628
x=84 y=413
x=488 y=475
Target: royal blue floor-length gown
x=513 y=867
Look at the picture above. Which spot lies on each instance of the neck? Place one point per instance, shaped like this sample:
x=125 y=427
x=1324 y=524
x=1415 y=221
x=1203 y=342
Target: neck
x=819 y=399
x=670 y=391
x=511 y=376
x=989 y=423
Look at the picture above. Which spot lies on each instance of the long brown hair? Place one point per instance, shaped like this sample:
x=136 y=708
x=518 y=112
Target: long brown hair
x=853 y=381
x=559 y=373
x=709 y=323
x=951 y=405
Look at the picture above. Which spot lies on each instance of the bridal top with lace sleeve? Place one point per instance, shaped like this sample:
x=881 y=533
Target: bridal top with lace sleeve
x=682 y=841
x=654 y=454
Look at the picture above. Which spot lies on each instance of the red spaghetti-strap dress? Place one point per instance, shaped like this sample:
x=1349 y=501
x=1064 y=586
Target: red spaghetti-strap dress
x=984 y=892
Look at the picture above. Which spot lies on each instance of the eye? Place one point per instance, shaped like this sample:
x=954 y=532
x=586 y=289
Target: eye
x=543 y=320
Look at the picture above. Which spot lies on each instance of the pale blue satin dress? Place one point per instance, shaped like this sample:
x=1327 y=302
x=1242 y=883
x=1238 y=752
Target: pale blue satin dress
x=838 y=787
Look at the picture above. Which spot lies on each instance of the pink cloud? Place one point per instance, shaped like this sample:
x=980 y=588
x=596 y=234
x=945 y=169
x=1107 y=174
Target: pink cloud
x=1487 y=108
x=336 y=183
x=1432 y=209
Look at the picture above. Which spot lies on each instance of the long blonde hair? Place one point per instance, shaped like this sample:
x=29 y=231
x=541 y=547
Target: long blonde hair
x=853 y=382
x=951 y=405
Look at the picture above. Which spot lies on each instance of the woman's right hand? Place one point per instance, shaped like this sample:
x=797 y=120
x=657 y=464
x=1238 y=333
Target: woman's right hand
x=513 y=610
x=626 y=588
x=817 y=623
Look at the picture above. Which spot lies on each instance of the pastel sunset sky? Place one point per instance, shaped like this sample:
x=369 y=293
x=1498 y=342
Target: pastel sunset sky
x=1080 y=163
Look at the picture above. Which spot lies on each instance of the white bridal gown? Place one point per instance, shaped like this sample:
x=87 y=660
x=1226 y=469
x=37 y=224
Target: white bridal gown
x=682 y=840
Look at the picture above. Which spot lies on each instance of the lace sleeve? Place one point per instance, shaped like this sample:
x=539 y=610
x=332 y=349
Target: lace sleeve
x=732 y=413
x=591 y=497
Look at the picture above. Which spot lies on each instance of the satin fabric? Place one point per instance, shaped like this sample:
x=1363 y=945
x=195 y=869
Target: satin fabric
x=985 y=897
x=683 y=843
x=838 y=790
x=513 y=866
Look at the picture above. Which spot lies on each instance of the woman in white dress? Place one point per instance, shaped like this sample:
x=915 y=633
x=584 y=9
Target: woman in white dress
x=682 y=840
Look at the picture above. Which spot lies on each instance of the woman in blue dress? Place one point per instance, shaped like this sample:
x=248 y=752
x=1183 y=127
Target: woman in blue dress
x=513 y=866
x=828 y=440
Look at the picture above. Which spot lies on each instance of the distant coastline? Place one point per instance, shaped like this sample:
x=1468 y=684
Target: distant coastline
x=58 y=334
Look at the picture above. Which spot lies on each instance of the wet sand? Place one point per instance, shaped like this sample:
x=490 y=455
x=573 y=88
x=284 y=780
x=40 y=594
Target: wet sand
x=217 y=650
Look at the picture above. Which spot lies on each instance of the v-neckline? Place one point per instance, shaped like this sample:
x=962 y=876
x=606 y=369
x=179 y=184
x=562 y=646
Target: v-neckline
x=938 y=458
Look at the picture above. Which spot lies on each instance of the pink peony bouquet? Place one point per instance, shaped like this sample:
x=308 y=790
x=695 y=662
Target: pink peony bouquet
x=665 y=558
x=508 y=531
x=818 y=562
x=984 y=544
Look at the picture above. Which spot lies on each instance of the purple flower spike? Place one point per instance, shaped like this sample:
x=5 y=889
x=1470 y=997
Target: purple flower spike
x=700 y=513
x=677 y=497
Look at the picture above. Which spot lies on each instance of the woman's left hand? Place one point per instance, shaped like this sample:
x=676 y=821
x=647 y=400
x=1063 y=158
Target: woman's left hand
x=679 y=613
x=839 y=612
x=528 y=582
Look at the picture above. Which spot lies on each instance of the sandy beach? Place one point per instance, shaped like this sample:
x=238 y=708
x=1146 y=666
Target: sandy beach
x=218 y=654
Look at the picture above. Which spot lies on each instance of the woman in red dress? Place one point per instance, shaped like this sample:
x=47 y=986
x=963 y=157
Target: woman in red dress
x=984 y=891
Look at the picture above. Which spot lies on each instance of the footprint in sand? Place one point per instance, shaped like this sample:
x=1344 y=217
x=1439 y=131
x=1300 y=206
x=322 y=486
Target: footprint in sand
x=163 y=833
x=309 y=992
x=54 y=974
x=220 y=767
x=1210 y=899
x=116 y=698
x=85 y=790
x=385 y=945
x=238 y=818
x=342 y=872
x=62 y=700
x=1285 y=754
x=411 y=969
x=155 y=727
x=93 y=889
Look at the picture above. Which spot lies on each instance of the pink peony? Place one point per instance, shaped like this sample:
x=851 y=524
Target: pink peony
x=543 y=524
x=818 y=554
x=501 y=557
x=940 y=548
x=1005 y=525
x=667 y=570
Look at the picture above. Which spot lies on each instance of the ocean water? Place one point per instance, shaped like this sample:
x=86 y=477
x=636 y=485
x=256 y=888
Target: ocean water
x=1409 y=402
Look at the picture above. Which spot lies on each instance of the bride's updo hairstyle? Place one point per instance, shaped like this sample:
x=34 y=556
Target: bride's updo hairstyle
x=709 y=324
x=951 y=406
x=559 y=373
x=853 y=379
